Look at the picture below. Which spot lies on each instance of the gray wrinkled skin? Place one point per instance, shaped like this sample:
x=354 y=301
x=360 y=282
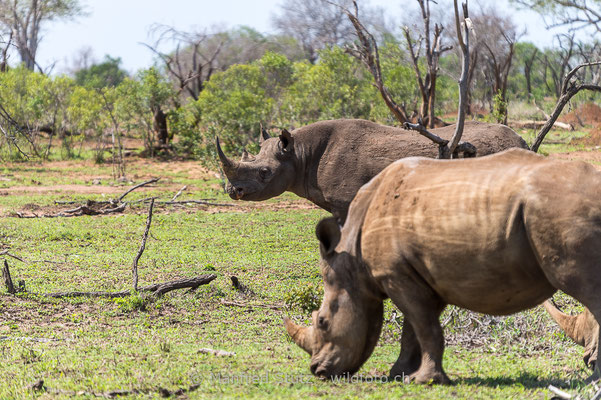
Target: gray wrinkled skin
x=328 y=161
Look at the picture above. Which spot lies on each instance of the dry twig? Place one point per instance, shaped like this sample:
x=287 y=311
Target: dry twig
x=134 y=267
x=7 y=279
x=179 y=192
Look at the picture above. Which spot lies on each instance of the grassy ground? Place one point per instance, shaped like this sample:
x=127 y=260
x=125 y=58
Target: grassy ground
x=97 y=346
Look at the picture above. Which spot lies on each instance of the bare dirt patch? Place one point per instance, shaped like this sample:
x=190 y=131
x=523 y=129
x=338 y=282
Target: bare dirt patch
x=68 y=189
x=34 y=210
x=593 y=157
x=586 y=114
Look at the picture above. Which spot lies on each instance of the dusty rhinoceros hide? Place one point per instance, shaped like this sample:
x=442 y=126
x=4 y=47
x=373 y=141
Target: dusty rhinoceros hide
x=495 y=235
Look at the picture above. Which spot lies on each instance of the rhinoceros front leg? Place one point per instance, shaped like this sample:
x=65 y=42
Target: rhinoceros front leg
x=422 y=307
x=410 y=357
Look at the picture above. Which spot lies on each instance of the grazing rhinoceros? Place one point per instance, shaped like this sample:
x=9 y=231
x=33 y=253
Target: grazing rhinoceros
x=495 y=235
x=327 y=162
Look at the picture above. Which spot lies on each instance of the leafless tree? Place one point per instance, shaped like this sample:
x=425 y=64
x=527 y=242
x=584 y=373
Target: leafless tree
x=577 y=14
x=451 y=149
x=316 y=24
x=4 y=51
x=82 y=59
x=558 y=62
x=191 y=64
x=433 y=49
x=25 y=18
x=528 y=65
x=497 y=35
x=366 y=50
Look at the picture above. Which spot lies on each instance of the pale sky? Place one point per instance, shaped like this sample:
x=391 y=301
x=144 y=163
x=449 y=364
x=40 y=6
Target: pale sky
x=116 y=27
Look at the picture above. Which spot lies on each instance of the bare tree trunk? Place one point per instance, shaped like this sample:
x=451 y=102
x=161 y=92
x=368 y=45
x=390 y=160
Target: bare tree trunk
x=160 y=127
x=528 y=71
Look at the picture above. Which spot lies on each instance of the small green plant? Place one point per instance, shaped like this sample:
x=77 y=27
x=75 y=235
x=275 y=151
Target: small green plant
x=499 y=109
x=165 y=347
x=134 y=302
x=307 y=298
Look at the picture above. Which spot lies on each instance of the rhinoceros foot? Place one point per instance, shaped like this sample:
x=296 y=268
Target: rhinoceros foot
x=428 y=377
x=404 y=368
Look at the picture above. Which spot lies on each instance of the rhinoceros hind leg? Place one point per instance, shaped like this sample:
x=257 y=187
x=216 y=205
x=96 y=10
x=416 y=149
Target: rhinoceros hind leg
x=411 y=353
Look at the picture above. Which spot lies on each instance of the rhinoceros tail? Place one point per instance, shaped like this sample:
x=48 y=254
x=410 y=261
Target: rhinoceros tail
x=568 y=323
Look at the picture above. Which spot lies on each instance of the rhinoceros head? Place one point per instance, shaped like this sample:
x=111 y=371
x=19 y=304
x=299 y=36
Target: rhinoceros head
x=266 y=175
x=346 y=328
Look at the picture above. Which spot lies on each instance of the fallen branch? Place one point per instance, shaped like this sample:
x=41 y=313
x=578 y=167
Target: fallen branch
x=139 y=185
x=77 y=212
x=241 y=304
x=156 y=290
x=203 y=202
x=39 y=386
x=179 y=192
x=559 y=393
x=6 y=253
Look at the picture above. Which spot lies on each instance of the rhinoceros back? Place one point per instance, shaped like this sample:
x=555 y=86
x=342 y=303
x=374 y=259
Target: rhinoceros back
x=357 y=150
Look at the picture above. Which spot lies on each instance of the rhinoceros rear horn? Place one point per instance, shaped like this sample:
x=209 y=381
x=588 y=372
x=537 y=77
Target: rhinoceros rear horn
x=568 y=323
x=246 y=156
x=264 y=135
x=229 y=166
x=302 y=336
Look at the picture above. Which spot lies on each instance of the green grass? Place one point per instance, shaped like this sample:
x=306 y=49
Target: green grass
x=105 y=345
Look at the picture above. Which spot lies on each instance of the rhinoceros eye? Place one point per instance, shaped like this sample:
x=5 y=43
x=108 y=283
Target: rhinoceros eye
x=322 y=323
x=264 y=173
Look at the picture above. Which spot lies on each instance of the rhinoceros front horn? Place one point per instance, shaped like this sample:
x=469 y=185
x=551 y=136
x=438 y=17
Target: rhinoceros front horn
x=302 y=336
x=229 y=166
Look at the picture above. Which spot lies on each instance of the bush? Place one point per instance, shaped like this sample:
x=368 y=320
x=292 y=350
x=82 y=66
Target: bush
x=306 y=298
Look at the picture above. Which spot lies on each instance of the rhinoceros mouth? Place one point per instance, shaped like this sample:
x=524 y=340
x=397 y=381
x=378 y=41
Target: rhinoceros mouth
x=241 y=193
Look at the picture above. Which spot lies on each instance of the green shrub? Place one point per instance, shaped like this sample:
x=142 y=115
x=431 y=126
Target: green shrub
x=306 y=298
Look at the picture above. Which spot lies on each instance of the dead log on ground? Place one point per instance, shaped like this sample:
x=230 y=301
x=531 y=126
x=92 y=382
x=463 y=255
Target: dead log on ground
x=156 y=290
x=532 y=124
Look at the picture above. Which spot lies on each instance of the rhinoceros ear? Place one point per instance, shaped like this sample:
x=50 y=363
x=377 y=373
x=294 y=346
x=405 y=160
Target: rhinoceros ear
x=328 y=233
x=286 y=141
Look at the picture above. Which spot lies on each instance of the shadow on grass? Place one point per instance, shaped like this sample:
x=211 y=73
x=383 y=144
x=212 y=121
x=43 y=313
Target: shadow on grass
x=527 y=380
